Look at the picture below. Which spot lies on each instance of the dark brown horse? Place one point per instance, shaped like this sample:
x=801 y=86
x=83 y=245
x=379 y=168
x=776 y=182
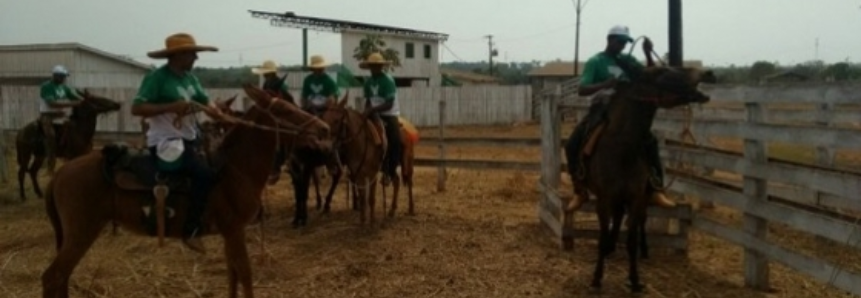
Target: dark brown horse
x=92 y=190
x=356 y=141
x=618 y=172
x=74 y=138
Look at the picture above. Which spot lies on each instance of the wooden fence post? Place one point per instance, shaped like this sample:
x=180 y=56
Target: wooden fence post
x=824 y=154
x=756 y=273
x=440 y=178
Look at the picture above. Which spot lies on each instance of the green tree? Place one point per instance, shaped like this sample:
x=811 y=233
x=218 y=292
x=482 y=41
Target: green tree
x=760 y=69
x=375 y=44
x=841 y=71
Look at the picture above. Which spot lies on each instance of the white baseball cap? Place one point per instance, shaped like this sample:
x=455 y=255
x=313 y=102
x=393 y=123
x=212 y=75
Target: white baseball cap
x=59 y=69
x=620 y=30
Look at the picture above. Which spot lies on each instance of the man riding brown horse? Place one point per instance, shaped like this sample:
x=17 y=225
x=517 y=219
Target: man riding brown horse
x=56 y=99
x=381 y=101
x=600 y=75
x=164 y=97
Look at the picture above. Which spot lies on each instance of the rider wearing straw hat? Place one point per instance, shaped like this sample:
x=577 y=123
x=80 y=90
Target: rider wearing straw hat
x=165 y=94
x=381 y=101
x=318 y=88
x=271 y=81
x=600 y=75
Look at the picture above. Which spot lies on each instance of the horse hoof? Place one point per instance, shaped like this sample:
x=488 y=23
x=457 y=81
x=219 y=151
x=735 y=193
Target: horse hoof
x=636 y=288
x=595 y=289
x=299 y=223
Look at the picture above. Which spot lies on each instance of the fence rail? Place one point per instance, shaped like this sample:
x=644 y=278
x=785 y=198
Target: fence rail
x=484 y=104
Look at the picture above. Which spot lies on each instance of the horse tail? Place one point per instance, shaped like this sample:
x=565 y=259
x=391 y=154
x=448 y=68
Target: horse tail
x=53 y=215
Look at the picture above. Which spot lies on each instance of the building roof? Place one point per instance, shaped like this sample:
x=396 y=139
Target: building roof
x=290 y=19
x=468 y=76
x=74 y=46
x=566 y=68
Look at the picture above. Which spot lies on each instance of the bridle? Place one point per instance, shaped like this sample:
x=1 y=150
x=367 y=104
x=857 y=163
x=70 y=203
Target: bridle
x=343 y=137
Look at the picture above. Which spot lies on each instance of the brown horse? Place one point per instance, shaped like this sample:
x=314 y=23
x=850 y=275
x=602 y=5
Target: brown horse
x=92 y=190
x=355 y=140
x=618 y=172
x=74 y=138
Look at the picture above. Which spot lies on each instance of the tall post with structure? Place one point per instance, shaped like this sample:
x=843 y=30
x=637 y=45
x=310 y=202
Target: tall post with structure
x=577 y=41
x=490 y=52
x=305 y=47
x=675 y=15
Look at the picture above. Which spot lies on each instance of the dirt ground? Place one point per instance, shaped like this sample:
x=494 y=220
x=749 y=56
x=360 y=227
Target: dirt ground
x=479 y=238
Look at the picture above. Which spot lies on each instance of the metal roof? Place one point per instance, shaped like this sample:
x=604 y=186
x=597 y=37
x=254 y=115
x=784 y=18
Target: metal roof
x=73 y=46
x=290 y=19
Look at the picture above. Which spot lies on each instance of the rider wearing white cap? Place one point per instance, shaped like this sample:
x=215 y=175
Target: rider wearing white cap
x=56 y=99
x=600 y=75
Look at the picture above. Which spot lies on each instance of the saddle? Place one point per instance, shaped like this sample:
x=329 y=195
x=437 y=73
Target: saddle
x=377 y=132
x=592 y=139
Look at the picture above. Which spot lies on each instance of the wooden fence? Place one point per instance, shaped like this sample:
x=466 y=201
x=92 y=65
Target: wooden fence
x=735 y=134
x=465 y=105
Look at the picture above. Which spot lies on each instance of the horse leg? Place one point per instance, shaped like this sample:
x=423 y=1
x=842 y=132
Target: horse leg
x=336 y=179
x=23 y=162
x=317 y=190
x=372 y=200
x=239 y=266
x=34 y=174
x=644 y=248
x=361 y=198
x=76 y=242
x=618 y=215
x=300 y=194
x=396 y=187
x=635 y=225
x=604 y=246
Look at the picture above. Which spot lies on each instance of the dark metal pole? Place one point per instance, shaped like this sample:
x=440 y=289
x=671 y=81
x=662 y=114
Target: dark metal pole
x=577 y=42
x=675 y=13
x=305 y=47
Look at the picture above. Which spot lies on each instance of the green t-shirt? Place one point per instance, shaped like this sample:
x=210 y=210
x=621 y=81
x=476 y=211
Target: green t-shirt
x=602 y=67
x=317 y=88
x=53 y=92
x=162 y=86
x=380 y=90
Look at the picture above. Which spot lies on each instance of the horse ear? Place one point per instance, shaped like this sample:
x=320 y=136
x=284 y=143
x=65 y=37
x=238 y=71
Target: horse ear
x=343 y=101
x=284 y=78
x=229 y=102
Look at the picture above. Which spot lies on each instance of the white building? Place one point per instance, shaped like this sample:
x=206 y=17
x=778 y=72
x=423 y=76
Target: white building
x=419 y=55
x=31 y=64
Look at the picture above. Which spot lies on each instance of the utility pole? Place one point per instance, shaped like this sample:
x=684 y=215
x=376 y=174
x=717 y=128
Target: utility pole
x=577 y=8
x=490 y=51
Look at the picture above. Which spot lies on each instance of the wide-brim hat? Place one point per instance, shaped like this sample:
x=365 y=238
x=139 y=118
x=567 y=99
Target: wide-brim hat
x=179 y=43
x=268 y=66
x=317 y=62
x=374 y=59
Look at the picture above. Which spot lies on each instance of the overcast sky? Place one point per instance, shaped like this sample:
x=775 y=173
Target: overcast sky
x=717 y=32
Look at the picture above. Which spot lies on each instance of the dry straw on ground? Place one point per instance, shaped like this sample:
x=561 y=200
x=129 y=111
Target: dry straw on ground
x=480 y=238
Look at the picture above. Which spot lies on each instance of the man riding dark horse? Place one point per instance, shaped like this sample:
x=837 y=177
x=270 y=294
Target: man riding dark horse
x=56 y=99
x=165 y=94
x=271 y=81
x=381 y=101
x=600 y=75
x=275 y=85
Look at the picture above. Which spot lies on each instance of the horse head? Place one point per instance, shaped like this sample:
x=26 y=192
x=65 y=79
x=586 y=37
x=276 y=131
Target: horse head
x=669 y=87
x=94 y=105
x=335 y=115
x=313 y=133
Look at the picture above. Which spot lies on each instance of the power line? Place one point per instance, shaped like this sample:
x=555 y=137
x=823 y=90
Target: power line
x=452 y=53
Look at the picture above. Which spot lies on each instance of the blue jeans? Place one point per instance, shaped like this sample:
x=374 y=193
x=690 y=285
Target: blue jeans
x=202 y=181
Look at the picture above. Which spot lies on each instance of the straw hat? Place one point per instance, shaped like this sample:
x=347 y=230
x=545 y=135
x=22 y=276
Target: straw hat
x=375 y=58
x=268 y=66
x=317 y=61
x=178 y=43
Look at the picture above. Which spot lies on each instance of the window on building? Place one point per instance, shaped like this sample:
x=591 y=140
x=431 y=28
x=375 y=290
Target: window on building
x=410 y=50
x=427 y=51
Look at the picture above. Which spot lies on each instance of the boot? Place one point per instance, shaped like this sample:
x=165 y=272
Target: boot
x=194 y=244
x=659 y=198
x=577 y=202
